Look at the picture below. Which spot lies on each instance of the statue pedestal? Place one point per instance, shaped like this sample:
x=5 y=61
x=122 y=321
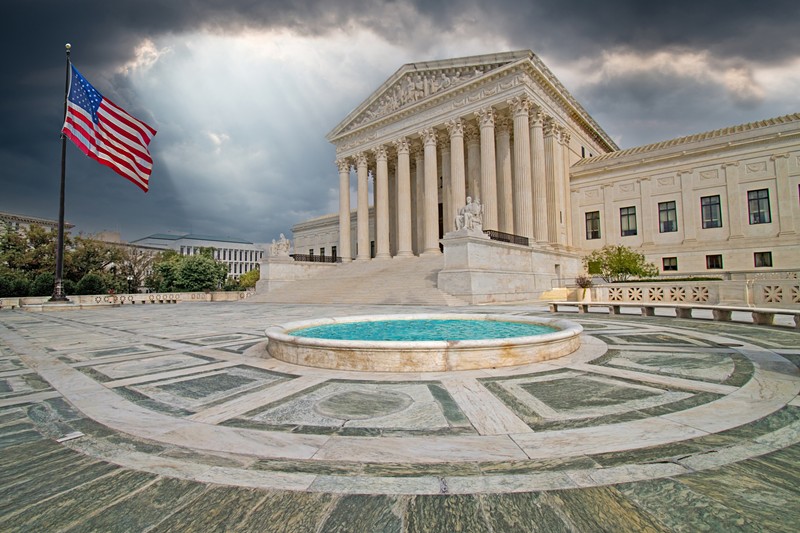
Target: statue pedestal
x=279 y=270
x=480 y=270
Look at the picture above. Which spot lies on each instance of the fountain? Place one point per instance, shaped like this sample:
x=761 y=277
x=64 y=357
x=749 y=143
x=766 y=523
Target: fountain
x=522 y=340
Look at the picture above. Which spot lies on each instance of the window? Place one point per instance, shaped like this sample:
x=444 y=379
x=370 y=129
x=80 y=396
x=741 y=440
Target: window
x=758 y=205
x=333 y=253
x=311 y=252
x=712 y=212
x=627 y=221
x=713 y=261
x=322 y=252
x=667 y=217
x=592 y=225
x=669 y=263
x=762 y=259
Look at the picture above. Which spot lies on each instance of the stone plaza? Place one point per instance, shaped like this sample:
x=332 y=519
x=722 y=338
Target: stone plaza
x=174 y=418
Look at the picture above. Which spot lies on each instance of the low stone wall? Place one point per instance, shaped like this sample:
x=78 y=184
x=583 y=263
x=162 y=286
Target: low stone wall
x=480 y=270
x=759 y=293
x=93 y=300
x=279 y=271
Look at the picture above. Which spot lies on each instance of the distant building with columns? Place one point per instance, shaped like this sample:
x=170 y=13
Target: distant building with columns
x=502 y=129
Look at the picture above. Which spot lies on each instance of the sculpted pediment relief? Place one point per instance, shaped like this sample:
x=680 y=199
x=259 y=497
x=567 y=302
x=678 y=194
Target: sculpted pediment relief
x=415 y=85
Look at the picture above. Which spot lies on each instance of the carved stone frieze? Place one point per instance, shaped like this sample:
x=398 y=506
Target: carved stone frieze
x=754 y=168
x=415 y=86
x=709 y=174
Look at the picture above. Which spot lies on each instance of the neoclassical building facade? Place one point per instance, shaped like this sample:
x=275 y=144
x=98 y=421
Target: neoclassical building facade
x=501 y=129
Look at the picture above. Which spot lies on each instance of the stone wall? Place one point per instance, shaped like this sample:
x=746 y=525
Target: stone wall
x=279 y=271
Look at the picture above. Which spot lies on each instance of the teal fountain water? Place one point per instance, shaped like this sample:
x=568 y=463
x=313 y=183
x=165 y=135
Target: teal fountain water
x=422 y=343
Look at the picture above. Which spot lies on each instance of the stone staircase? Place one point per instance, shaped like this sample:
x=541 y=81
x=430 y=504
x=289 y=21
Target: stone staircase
x=398 y=281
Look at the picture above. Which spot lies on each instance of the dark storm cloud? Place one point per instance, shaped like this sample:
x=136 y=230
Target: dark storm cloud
x=638 y=105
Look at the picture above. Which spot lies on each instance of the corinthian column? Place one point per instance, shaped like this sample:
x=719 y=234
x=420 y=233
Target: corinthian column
x=447 y=185
x=486 y=119
x=403 y=198
x=381 y=203
x=473 y=141
x=362 y=210
x=505 y=204
x=567 y=203
x=345 y=251
x=431 y=203
x=523 y=215
x=458 y=189
x=550 y=131
x=418 y=198
x=539 y=180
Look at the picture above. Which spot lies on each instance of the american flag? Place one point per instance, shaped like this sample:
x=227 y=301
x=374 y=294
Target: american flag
x=107 y=133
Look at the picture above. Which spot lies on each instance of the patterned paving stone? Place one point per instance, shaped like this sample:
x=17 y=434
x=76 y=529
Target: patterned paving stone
x=174 y=419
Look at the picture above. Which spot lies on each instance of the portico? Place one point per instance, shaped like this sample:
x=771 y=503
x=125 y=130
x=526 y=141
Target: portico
x=500 y=128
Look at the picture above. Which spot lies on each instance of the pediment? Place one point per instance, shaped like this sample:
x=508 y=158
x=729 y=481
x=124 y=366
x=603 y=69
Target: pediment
x=416 y=82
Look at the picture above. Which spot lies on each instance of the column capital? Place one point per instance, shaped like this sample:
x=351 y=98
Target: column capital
x=565 y=135
x=536 y=118
x=486 y=116
x=520 y=105
x=774 y=157
x=402 y=145
x=443 y=139
x=361 y=159
x=550 y=126
x=455 y=127
x=428 y=136
x=343 y=164
x=502 y=123
x=730 y=164
x=381 y=153
x=471 y=133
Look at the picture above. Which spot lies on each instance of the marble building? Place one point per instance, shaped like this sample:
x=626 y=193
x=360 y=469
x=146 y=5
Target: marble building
x=503 y=129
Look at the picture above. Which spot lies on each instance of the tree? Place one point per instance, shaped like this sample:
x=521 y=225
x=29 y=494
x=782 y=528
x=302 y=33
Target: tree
x=249 y=279
x=91 y=283
x=89 y=255
x=187 y=273
x=618 y=263
x=165 y=271
x=199 y=273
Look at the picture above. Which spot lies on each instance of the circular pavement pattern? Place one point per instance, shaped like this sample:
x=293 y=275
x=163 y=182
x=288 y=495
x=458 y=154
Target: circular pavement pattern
x=651 y=417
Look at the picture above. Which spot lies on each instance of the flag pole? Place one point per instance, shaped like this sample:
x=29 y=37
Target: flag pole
x=58 y=290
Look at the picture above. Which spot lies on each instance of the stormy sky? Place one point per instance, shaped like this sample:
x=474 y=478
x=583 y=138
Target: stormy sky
x=243 y=92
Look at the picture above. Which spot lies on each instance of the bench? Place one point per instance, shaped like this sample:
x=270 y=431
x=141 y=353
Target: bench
x=761 y=316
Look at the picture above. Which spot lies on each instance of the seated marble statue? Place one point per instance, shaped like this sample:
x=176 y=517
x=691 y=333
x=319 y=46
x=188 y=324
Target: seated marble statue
x=470 y=216
x=281 y=247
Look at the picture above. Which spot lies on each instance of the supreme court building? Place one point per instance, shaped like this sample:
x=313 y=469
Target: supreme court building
x=502 y=129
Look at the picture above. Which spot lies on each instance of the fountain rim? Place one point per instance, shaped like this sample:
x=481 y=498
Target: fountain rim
x=564 y=330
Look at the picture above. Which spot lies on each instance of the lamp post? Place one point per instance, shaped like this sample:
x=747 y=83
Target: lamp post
x=130 y=280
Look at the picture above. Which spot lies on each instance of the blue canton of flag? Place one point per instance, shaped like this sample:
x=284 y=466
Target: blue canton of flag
x=106 y=133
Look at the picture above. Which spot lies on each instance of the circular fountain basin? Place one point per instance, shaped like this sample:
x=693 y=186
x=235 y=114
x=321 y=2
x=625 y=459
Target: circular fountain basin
x=288 y=344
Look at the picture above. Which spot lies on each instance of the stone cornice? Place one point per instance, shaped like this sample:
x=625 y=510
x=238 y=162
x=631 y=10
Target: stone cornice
x=785 y=127
x=24 y=219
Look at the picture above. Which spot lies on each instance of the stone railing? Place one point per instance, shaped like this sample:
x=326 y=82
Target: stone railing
x=762 y=293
